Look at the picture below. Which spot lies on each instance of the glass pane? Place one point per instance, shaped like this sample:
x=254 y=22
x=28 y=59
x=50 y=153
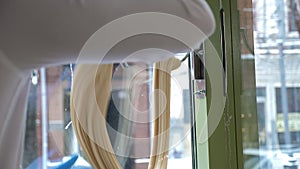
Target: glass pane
x=59 y=140
x=274 y=140
x=131 y=87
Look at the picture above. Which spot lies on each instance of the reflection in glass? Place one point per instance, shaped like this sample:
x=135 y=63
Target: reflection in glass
x=130 y=113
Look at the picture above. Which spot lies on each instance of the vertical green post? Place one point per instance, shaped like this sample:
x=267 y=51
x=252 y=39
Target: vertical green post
x=201 y=125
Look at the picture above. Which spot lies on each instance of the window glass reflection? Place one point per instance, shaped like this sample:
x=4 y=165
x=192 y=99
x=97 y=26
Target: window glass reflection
x=130 y=88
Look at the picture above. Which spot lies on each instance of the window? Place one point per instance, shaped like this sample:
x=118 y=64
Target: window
x=136 y=124
x=276 y=67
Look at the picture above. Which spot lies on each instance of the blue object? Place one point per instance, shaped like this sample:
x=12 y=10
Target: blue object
x=68 y=164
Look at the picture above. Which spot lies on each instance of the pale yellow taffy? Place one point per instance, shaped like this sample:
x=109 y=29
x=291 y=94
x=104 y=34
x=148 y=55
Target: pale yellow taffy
x=90 y=97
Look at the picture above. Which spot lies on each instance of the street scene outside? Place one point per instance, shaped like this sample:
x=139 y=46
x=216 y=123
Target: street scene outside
x=275 y=58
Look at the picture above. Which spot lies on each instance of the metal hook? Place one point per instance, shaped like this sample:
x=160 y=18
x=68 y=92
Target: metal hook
x=185 y=57
x=124 y=65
